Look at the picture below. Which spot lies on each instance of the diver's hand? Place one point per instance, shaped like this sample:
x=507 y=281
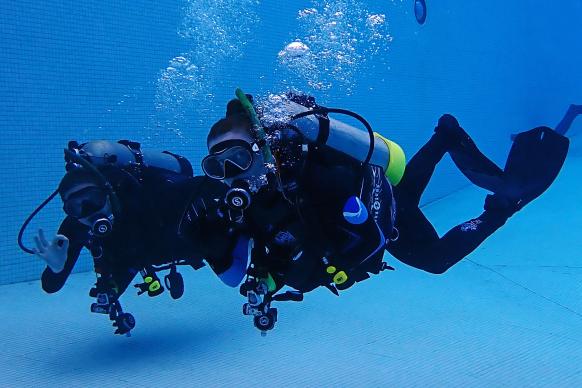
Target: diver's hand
x=55 y=253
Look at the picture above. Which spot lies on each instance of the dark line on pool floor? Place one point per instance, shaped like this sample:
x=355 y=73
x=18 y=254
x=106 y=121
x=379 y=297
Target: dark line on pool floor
x=527 y=289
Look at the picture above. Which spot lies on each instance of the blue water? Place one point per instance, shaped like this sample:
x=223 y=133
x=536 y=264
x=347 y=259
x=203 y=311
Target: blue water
x=161 y=73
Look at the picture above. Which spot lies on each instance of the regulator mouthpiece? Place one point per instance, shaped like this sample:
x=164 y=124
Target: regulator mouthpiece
x=102 y=227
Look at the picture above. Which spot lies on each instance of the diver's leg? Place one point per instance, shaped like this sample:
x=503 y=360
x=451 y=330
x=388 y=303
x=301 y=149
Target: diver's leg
x=420 y=168
x=414 y=233
x=460 y=241
x=566 y=122
x=449 y=137
x=419 y=245
x=479 y=169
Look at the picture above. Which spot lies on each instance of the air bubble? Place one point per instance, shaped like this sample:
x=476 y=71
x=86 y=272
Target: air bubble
x=294 y=50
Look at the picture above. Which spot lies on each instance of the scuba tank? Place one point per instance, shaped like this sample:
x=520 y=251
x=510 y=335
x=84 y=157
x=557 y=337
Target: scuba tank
x=313 y=124
x=129 y=157
x=124 y=155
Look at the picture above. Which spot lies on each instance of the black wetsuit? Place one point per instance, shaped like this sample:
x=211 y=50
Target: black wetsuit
x=156 y=226
x=328 y=179
x=419 y=245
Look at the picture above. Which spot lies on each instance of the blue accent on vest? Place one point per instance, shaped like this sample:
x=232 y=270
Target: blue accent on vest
x=237 y=271
x=355 y=211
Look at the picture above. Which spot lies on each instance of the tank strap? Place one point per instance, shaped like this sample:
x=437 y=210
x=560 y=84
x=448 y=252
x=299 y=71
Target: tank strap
x=323 y=133
x=135 y=149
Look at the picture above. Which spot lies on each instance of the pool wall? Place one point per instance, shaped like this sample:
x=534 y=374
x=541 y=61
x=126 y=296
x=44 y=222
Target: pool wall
x=81 y=71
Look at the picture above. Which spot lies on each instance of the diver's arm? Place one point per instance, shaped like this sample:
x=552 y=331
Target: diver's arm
x=566 y=122
x=76 y=233
x=208 y=232
x=232 y=268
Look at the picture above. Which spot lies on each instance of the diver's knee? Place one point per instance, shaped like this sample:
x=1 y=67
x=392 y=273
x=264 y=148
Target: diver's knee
x=448 y=121
x=441 y=266
x=437 y=270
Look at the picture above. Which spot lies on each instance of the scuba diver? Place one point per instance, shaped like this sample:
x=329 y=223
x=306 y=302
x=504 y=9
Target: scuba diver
x=317 y=216
x=322 y=200
x=135 y=211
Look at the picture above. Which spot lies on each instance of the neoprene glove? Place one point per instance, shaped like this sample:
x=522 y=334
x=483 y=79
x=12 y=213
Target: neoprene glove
x=55 y=253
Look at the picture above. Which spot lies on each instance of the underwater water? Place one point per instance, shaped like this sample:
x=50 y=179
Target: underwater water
x=161 y=73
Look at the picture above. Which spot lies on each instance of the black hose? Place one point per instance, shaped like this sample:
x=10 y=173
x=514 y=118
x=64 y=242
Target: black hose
x=347 y=113
x=88 y=165
x=30 y=217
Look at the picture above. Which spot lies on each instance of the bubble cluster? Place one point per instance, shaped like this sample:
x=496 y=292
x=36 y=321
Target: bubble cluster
x=294 y=50
x=272 y=108
x=336 y=39
x=376 y=20
x=215 y=31
x=217 y=28
x=178 y=85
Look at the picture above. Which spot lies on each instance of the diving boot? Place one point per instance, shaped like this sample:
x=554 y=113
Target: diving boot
x=451 y=133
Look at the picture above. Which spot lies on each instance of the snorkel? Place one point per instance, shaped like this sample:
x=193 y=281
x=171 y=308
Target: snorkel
x=257 y=129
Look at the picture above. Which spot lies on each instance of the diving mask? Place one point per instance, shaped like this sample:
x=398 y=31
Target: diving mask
x=91 y=206
x=229 y=159
x=85 y=202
